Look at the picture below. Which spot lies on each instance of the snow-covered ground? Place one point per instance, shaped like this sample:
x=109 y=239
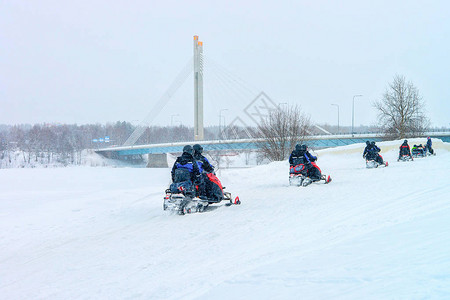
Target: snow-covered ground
x=87 y=157
x=101 y=233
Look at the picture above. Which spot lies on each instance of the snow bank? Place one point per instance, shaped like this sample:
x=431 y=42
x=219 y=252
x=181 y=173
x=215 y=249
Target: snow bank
x=88 y=157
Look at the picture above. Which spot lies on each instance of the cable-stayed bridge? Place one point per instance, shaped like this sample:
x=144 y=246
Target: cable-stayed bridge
x=250 y=107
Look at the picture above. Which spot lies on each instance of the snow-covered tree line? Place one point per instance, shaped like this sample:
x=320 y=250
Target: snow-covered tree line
x=63 y=144
x=54 y=144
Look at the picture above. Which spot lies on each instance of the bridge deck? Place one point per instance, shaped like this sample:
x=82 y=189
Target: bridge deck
x=322 y=141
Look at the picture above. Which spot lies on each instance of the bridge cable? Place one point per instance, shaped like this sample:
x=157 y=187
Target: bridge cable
x=161 y=103
x=226 y=87
x=229 y=87
x=235 y=86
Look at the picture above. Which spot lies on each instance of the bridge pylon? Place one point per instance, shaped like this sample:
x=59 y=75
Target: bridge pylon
x=198 y=90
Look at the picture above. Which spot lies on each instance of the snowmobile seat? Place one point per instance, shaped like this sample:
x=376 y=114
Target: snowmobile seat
x=297 y=169
x=214 y=189
x=184 y=187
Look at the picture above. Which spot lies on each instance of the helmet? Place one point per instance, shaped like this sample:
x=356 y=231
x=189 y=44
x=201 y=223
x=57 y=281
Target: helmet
x=298 y=147
x=197 y=148
x=373 y=143
x=367 y=143
x=188 y=149
x=415 y=145
x=405 y=141
x=428 y=138
x=303 y=148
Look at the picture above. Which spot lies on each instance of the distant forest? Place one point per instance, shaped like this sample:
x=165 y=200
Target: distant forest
x=65 y=138
x=64 y=143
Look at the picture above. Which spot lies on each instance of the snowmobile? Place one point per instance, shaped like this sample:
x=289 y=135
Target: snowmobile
x=428 y=153
x=405 y=157
x=418 y=151
x=298 y=176
x=372 y=160
x=372 y=163
x=418 y=154
x=183 y=197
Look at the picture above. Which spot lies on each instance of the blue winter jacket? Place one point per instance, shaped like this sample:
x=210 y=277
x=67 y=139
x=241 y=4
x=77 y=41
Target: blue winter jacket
x=186 y=161
x=203 y=163
x=303 y=157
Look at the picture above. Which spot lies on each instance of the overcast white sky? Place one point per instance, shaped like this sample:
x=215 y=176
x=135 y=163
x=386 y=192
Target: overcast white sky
x=104 y=61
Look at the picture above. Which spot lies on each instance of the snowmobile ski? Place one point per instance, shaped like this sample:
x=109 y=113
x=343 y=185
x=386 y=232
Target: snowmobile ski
x=182 y=204
x=301 y=180
x=371 y=164
x=405 y=158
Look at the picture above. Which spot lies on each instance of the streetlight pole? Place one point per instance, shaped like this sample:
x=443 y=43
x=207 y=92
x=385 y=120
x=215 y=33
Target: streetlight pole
x=338 y=115
x=353 y=112
x=220 y=122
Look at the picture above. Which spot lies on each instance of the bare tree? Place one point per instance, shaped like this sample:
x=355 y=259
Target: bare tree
x=401 y=110
x=216 y=158
x=281 y=130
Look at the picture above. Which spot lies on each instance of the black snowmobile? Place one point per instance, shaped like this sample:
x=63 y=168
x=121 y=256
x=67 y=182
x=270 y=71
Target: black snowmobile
x=373 y=160
x=183 y=197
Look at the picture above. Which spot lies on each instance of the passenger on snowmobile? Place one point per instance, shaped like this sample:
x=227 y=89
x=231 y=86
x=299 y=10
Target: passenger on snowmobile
x=428 y=146
x=301 y=160
x=404 y=150
x=206 y=187
x=202 y=162
x=373 y=153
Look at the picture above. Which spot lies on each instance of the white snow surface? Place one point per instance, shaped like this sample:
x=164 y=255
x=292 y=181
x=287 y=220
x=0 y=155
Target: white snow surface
x=101 y=233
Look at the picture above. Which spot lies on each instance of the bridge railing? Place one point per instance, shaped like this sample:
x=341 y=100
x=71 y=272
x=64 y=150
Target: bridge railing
x=318 y=141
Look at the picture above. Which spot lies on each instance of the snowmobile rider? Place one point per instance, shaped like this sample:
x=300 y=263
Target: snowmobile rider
x=366 y=150
x=415 y=150
x=428 y=145
x=404 y=150
x=204 y=167
x=420 y=149
x=202 y=162
x=185 y=168
x=373 y=153
x=301 y=155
